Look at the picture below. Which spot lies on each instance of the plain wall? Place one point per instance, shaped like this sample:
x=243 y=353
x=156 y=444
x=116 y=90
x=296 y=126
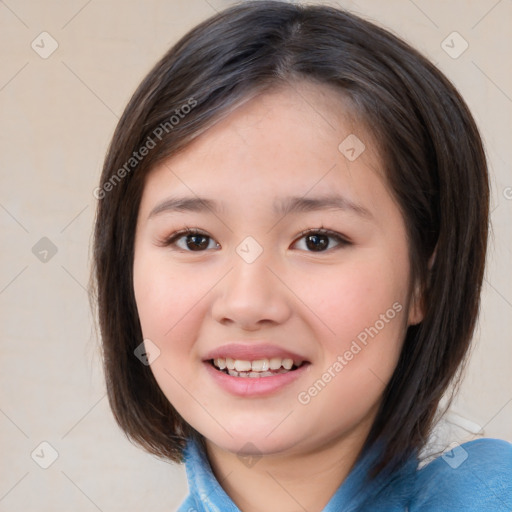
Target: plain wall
x=57 y=117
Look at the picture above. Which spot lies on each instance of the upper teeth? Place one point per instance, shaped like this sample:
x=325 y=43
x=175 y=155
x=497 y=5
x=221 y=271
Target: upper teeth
x=259 y=365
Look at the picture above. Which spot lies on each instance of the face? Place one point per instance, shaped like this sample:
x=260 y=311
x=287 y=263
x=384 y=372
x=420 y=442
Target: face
x=296 y=257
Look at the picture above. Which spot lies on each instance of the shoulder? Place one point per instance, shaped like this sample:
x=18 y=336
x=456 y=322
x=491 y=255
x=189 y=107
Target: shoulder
x=473 y=476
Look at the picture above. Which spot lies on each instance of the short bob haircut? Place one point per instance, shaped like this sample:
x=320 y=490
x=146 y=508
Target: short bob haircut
x=434 y=164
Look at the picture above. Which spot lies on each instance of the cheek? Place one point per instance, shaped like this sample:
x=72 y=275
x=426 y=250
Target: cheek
x=366 y=310
x=169 y=306
x=352 y=299
x=165 y=298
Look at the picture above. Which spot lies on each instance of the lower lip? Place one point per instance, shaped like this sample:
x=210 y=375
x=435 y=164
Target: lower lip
x=254 y=386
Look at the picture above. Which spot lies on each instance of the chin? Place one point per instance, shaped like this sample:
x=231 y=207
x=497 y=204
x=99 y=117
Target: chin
x=255 y=439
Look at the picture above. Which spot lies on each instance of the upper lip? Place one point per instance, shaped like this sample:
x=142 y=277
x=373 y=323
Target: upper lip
x=252 y=351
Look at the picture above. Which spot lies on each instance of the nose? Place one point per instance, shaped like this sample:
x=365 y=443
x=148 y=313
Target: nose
x=251 y=296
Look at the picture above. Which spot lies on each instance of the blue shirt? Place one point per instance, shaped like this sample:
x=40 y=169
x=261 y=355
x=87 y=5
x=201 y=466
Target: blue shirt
x=473 y=477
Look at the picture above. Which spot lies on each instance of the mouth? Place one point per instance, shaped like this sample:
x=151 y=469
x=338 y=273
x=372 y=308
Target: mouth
x=256 y=369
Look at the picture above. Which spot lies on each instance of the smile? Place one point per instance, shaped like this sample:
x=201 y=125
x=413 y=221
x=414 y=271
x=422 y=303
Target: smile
x=258 y=368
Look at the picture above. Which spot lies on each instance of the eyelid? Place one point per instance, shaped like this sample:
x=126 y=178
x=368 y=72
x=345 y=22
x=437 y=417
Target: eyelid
x=176 y=235
x=171 y=239
x=324 y=231
x=340 y=238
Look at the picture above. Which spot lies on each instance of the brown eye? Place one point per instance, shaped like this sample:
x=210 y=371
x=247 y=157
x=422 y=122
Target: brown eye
x=317 y=242
x=320 y=240
x=190 y=240
x=197 y=242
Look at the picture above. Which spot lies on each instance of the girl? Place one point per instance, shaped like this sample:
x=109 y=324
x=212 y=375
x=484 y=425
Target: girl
x=289 y=251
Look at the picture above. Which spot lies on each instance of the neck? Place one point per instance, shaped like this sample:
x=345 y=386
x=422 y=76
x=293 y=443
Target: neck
x=297 y=480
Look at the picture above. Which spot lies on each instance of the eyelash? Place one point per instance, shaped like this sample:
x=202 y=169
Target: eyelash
x=340 y=239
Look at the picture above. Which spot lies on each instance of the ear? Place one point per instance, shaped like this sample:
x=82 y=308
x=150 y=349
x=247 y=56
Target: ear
x=417 y=305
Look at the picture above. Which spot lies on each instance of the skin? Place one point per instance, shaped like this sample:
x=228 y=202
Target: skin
x=313 y=302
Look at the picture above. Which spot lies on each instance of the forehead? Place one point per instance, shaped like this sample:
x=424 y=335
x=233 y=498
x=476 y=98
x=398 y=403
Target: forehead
x=291 y=141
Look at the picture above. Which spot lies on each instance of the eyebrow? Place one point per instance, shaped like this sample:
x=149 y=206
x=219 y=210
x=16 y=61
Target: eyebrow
x=292 y=204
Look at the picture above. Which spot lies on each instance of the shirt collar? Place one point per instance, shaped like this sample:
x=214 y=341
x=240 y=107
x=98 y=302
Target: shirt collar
x=208 y=495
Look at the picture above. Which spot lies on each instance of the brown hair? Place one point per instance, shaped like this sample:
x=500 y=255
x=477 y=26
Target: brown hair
x=434 y=162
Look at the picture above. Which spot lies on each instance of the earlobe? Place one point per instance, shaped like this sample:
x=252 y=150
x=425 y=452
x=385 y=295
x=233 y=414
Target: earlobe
x=417 y=305
x=416 y=308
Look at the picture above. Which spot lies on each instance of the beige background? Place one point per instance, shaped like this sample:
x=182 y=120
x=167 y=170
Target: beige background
x=58 y=114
